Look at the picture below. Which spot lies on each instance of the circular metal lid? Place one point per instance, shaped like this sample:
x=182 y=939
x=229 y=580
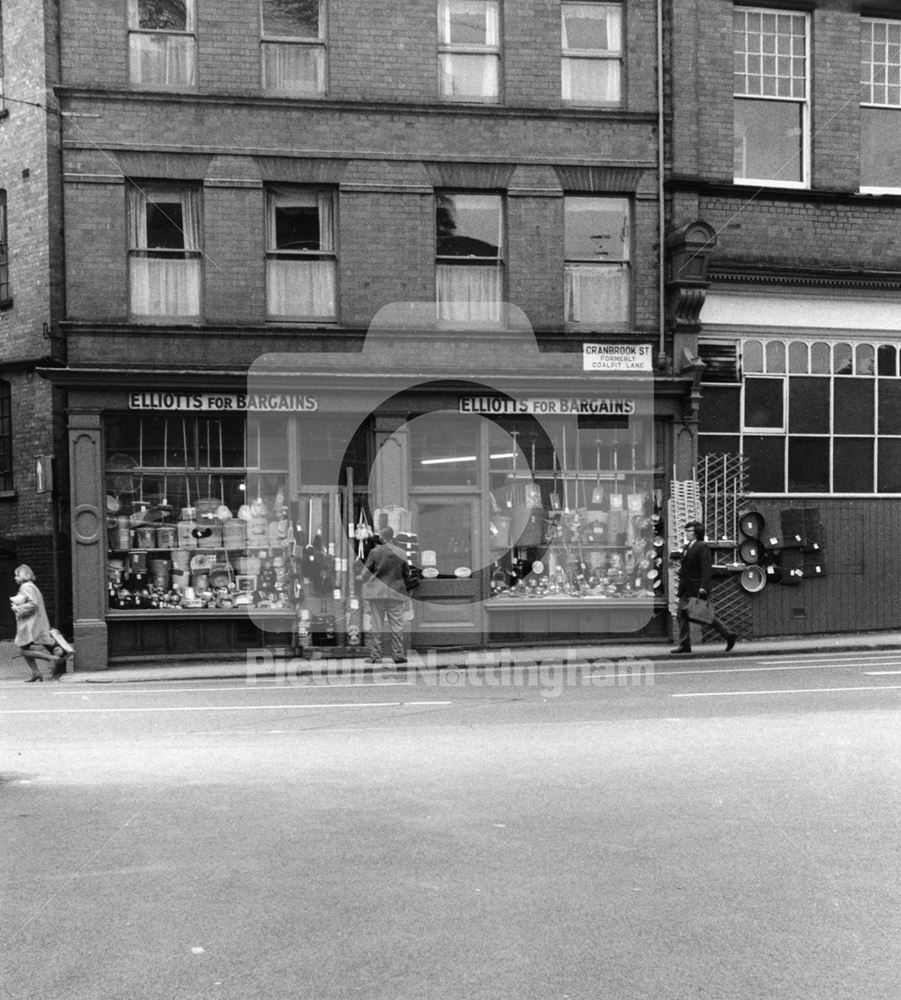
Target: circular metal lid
x=752 y=579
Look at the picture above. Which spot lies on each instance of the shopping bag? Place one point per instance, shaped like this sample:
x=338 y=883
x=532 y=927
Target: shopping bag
x=700 y=610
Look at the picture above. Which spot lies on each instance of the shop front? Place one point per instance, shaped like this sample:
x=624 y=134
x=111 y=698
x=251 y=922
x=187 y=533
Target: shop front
x=212 y=521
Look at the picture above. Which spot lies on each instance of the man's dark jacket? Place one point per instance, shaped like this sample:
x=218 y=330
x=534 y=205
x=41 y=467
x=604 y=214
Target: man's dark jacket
x=386 y=574
x=694 y=569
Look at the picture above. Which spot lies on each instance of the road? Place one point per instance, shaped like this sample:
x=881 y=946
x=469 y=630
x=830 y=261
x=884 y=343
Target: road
x=724 y=828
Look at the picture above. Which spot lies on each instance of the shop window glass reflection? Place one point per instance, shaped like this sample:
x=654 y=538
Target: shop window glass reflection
x=444 y=450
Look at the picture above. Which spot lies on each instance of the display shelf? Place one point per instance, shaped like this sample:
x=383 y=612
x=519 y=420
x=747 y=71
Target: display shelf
x=589 y=600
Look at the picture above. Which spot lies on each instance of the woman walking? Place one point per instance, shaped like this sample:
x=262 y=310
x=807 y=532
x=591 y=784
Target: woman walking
x=32 y=625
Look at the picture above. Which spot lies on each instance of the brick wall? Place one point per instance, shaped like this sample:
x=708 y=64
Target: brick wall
x=377 y=51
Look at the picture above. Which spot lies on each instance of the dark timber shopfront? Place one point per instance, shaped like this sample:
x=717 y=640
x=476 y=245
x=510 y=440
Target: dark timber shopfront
x=213 y=515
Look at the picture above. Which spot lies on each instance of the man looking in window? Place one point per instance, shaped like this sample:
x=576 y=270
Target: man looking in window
x=695 y=565
x=386 y=580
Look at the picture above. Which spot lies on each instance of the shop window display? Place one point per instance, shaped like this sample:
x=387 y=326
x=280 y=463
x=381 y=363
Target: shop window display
x=573 y=511
x=197 y=513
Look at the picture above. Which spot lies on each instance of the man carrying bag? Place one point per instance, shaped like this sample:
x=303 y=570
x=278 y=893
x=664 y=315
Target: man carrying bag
x=695 y=565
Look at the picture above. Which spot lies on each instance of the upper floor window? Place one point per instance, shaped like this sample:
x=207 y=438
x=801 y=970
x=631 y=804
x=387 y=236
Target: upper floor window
x=301 y=259
x=164 y=250
x=6 y=437
x=162 y=47
x=469 y=269
x=591 y=68
x=771 y=104
x=469 y=50
x=880 y=112
x=293 y=46
x=596 y=250
x=2 y=105
x=4 y=254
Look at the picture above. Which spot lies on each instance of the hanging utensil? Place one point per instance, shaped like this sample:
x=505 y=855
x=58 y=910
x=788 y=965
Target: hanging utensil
x=184 y=435
x=555 y=496
x=565 y=484
x=164 y=502
x=597 y=494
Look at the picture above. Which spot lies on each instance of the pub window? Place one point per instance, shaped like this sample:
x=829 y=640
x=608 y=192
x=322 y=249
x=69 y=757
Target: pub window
x=162 y=45
x=6 y=438
x=811 y=416
x=293 y=46
x=164 y=250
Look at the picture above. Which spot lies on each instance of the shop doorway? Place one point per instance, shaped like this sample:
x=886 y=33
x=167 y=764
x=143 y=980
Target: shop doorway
x=448 y=600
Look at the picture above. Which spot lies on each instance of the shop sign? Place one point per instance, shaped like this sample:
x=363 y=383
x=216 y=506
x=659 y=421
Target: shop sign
x=270 y=402
x=544 y=406
x=616 y=357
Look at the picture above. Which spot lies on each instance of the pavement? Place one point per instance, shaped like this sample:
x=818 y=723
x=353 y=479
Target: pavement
x=279 y=663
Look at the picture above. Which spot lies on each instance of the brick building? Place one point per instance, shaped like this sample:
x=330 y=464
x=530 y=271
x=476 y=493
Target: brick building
x=329 y=265
x=787 y=143
x=33 y=488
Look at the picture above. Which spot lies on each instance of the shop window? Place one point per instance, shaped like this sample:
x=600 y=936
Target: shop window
x=6 y=438
x=889 y=466
x=592 y=52
x=597 y=277
x=841 y=401
x=469 y=257
x=764 y=403
x=880 y=111
x=444 y=449
x=301 y=259
x=720 y=409
x=293 y=46
x=162 y=47
x=469 y=50
x=771 y=105
x=164 y=250
x=4 y=255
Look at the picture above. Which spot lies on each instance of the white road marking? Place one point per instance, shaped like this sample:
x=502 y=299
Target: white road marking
x=881 y=673
x=734 y=694
x=221 y=708
x=297 y=685
x=893 y=656
x=737 y=670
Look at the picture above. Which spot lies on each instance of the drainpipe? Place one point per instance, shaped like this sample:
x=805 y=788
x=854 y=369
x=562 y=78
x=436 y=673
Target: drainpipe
x=661 y=212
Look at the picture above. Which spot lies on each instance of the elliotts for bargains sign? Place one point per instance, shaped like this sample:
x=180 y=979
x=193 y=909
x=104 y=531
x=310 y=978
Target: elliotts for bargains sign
x=267 y=402
x=547 y=406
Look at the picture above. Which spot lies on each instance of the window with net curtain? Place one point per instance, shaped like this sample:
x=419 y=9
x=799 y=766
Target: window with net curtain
x=301 y=259
x=164 y=250
x=597 y=275
x=469 y=50
x=293 y=46
x=469 y=256
x=161 y=43
x=880 y=112
x=591 y=66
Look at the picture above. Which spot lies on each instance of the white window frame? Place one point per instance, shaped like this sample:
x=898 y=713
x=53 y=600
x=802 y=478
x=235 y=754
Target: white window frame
x=150 y=279
x=804 y=102
x=573 y=55
x=864 y=359
x=165 y=37
x=272 y=47
x=455 y=311
x=317 y=268
x=489 y=52
x=584 y=266
x=883 y=94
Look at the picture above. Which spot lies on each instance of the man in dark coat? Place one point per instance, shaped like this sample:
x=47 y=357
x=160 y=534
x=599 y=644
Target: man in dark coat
x=386 y=581
x=695 y=567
